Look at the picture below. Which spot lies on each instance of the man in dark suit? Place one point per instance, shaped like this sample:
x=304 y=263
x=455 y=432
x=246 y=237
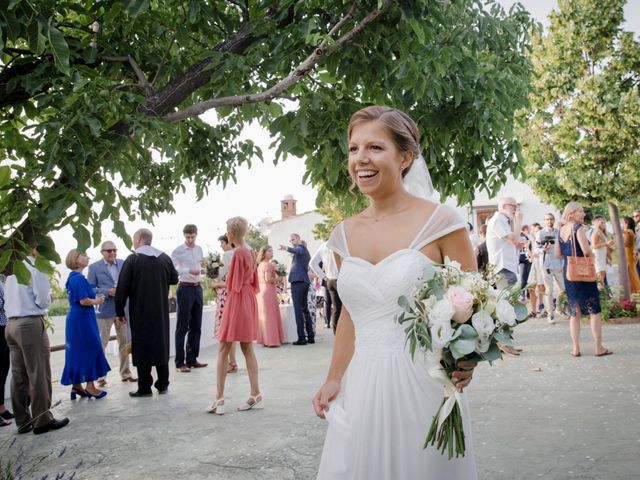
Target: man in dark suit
x=299 y=279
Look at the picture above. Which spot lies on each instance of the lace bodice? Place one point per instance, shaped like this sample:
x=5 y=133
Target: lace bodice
x=370 y=292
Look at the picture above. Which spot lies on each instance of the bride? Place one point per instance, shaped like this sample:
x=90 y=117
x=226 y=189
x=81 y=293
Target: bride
x=379 y=416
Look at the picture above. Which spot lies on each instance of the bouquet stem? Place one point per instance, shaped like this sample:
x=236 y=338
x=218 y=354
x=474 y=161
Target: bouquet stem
x=450 y=436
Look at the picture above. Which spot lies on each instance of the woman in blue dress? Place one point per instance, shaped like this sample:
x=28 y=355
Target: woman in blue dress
x=84 y=356
x=584 y=297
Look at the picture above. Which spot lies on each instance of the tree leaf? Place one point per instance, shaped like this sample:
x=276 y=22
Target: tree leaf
x=59 y=49
x=5 y=175
x=21 y=272
x=83 y=237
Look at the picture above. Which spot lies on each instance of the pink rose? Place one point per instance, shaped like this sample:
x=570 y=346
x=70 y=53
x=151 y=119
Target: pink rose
x=462 y=302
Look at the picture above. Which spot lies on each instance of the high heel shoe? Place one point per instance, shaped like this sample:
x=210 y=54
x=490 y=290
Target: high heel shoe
x=78 y=392
x=98 y=396
x=256 y=405
x=217 y=407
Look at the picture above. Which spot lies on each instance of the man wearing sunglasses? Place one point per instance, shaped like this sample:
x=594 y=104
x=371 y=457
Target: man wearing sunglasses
x=503 y=245
x=103 y=275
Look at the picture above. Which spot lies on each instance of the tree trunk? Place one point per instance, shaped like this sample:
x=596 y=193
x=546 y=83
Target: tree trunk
x=623 y=274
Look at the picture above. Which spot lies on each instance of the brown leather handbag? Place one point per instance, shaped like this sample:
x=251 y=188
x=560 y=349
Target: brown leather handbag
x=580 y=269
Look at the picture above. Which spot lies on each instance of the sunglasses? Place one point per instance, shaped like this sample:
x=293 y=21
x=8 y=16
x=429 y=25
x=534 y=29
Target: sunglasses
x=110 y=250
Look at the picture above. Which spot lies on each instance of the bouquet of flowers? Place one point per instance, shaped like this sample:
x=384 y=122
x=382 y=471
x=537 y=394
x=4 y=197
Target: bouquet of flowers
x=281 y=270
x=455 y=315
x=212 y=265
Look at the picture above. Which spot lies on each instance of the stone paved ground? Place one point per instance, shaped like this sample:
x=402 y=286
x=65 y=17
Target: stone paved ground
x=544 y=415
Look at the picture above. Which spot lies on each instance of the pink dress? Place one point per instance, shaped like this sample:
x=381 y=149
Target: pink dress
x=239 y=322
x=270 y=325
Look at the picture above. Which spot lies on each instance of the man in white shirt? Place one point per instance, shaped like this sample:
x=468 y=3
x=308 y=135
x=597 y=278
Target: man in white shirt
x=187 y=259
x=329 y=273
x=502 y=246
x=503 y=243
x=26 y=334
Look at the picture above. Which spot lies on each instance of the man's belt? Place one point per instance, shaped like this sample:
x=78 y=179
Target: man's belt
x=188 y=284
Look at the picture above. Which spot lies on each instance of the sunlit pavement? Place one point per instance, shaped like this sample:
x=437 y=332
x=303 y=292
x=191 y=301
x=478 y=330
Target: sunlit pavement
x=544 y=414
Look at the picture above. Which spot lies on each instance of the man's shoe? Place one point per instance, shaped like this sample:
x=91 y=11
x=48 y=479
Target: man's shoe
x=299 y=342
x=311 y=340
x=7 y=415
x=162 y=392
x=183 y=369
x=197 y=365
x=551 y=319
x=138 y=393
x=52 y=425
x=4 y=423
x=25 y=428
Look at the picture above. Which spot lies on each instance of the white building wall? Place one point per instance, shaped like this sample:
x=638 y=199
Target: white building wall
x=532 y=208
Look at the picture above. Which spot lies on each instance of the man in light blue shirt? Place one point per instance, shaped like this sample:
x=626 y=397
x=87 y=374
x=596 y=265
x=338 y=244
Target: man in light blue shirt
x=551 y=267
x=25 y=307
x=103 y=275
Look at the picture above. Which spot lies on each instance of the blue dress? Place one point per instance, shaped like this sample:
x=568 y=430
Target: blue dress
x=84 y=356
x=583 y=294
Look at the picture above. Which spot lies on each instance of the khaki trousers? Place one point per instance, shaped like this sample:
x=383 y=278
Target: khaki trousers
x=104 y=324
x=30 y=369
x=552 y=278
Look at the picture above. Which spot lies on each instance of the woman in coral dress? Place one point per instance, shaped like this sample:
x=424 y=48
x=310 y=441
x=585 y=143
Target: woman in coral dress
x=239 y=321
x=270 y=332
x=629 y=237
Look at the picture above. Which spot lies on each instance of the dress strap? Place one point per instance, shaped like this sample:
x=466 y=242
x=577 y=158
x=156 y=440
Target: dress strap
x=443 y=221
x=337 y=242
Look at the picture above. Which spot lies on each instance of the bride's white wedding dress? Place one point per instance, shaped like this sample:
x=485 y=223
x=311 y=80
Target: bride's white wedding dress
x=379 y=422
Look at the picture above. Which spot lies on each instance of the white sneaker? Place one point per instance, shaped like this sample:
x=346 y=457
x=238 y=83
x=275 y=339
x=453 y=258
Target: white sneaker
x=551 y=319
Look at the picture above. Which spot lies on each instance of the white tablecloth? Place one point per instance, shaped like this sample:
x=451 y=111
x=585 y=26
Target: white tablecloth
x=288 y=323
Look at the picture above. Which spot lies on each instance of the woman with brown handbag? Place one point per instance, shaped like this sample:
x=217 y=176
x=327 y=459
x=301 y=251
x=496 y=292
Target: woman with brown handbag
x=580 y=277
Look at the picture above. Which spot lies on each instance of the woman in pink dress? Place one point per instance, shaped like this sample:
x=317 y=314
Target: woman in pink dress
x=270 y=325
x=239 y=321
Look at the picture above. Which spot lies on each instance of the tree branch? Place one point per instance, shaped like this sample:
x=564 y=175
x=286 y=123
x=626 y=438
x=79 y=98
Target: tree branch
x=164 y=57
x=148 y=89
x=294 y=77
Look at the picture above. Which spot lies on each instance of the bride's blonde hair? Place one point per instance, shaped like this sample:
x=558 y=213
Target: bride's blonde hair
x=570 y=209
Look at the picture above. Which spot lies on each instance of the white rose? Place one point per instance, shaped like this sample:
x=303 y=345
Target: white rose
x=483 y=323
x=441 y=333
x=442 y=312
x=506 y=313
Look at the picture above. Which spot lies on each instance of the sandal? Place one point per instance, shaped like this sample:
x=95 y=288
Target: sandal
x=254 y=405
x=606 y=352
x=232 y=368
x=217 y=407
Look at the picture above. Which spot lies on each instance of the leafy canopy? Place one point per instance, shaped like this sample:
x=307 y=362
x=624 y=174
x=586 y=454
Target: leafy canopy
x=580 y=138
x=99 y=99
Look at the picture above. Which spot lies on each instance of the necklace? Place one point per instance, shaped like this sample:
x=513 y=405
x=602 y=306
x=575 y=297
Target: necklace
x=382 y=217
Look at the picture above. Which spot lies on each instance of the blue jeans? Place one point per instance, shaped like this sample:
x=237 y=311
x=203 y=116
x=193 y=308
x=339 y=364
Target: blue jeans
x=189 y=323
x=299 y=293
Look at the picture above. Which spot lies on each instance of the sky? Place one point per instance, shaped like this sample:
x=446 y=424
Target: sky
x=259 y=189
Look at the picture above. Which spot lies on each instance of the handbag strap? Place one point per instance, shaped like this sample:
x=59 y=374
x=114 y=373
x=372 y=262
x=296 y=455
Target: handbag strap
x=574 y=240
